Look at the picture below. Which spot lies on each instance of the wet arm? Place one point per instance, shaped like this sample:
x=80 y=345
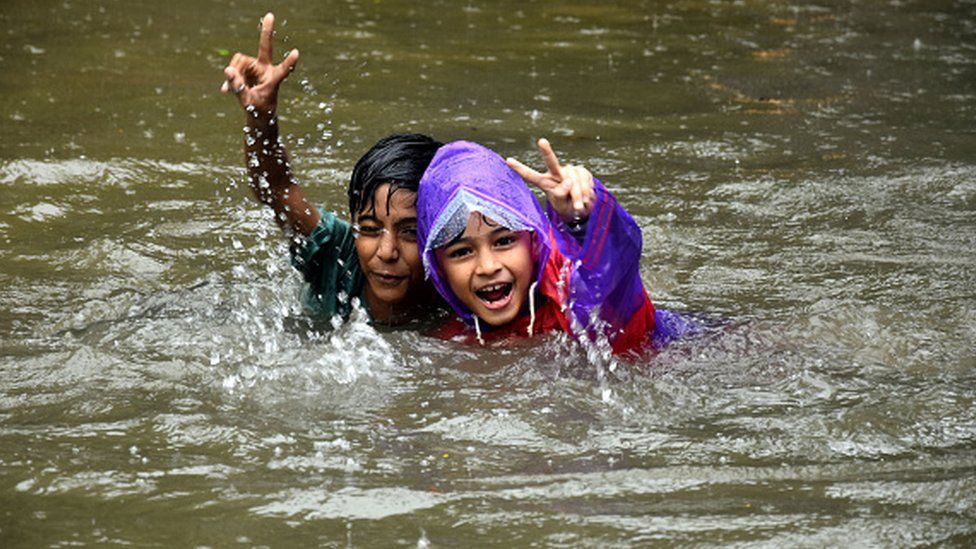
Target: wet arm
x=270 y=177
x=255 y=82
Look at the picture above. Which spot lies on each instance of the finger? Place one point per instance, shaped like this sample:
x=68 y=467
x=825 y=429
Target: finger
x=234 y=81
x=240 y=62
x=286 y=66
x=264 y=45
x=526 y=173
x=251 y=72
x=245 y=66
x=225 y=85
x=228 y=78
x=589 y=191
x=549 y=157
x=586 y=182
x=576 y=195
x=586 y=186
x=589 y=196
x=558 y=192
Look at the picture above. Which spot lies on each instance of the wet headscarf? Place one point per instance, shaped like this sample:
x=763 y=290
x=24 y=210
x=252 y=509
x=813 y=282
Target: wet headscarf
x=465 y=178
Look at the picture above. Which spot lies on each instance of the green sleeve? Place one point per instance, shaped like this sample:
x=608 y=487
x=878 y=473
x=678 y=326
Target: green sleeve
x=328 y=263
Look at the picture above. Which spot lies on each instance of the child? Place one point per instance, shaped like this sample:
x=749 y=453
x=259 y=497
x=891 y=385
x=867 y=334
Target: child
x=374 y=260
x=508 y=268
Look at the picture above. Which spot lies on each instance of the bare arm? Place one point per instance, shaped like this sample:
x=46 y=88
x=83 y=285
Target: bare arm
x=255 y=81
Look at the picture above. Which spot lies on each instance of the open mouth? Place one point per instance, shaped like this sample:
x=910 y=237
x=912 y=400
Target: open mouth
x=496 y=295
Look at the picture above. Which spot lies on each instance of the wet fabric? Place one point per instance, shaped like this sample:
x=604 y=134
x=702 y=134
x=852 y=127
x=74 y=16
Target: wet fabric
x=330 y=267
x=593 y=283
x=464 y=178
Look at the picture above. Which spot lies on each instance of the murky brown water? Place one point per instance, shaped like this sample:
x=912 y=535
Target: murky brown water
x=803 y=171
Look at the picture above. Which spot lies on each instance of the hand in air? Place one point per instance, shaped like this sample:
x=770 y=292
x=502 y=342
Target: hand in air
x=569 y=189
x=256 y=81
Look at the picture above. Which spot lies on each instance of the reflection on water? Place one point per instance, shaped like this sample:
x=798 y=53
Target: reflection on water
x=802 y=173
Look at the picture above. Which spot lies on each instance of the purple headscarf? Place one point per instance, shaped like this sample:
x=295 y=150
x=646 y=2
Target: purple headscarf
x=464 y=178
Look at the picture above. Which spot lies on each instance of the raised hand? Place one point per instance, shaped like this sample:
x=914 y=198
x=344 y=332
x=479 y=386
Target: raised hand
x=569 y=189
x=255 y=81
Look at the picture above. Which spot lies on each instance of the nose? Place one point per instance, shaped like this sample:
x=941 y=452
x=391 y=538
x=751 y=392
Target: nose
x=488 y=264
x=389 y=248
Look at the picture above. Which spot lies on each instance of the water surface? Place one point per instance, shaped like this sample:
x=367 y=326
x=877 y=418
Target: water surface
x=802 y=171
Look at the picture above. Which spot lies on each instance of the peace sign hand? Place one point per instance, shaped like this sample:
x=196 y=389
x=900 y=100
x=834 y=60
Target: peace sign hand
x=256 y=81
x=569 y=189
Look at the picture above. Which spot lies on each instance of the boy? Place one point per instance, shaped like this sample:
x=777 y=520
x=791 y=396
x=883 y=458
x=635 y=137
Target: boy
x=375 y=260
x=497 y=259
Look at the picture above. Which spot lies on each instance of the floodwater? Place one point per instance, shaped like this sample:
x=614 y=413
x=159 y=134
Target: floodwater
x=804 y=172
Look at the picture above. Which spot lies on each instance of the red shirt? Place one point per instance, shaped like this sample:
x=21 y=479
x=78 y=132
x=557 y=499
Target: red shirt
x=551 y=314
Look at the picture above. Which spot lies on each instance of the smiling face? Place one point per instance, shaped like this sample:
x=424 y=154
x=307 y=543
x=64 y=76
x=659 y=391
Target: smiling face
x=489 y=268
x=386 y=244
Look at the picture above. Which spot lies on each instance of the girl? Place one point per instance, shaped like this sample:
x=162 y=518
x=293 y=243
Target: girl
x=508 y=268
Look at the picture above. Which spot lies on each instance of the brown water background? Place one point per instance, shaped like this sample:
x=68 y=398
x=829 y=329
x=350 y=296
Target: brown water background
x=802 y=171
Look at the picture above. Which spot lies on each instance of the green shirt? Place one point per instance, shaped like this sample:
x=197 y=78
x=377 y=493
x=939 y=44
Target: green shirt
x=328 y=262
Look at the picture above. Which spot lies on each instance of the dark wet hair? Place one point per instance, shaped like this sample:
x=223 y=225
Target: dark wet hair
x=399 y=159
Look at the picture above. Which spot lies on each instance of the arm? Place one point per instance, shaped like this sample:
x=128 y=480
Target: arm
x=255 y=82
x=596 y=234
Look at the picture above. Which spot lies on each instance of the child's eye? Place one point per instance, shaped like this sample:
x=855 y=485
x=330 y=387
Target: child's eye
x=459 y=252
x=506 y=240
